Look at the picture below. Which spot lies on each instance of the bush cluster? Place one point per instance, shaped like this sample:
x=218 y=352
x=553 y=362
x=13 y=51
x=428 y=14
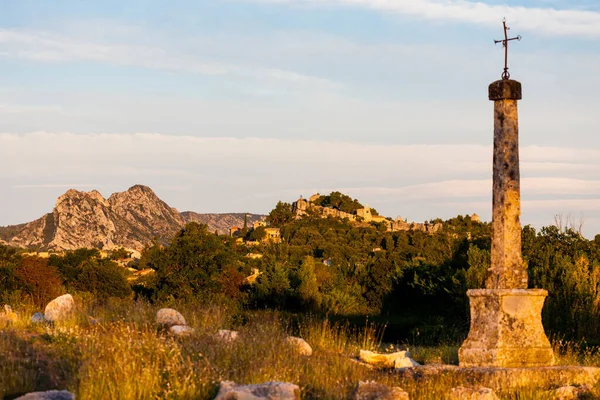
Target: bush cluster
x=42 y=279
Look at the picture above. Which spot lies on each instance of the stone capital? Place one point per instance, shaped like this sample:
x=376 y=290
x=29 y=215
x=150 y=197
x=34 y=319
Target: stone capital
x=505 y=90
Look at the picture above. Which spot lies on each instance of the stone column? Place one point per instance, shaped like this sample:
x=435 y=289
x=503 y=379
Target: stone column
x=506 y=322
x=508 y=270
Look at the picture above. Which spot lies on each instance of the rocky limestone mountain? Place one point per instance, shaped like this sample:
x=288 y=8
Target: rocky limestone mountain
x=130 y=219
x=8 y=232
x=221 y=222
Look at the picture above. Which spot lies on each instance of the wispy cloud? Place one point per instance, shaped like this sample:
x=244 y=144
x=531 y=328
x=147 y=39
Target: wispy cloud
x=55 y=48
x=546 y=21
x=26 y=109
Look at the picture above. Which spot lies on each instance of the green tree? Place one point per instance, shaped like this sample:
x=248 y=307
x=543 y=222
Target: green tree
x=103 y=278
x=280 y=215
x=9 y=260
x=120 y=254
x=192 y=263
x=479 y=263
x=273 y=286
x=257 y=234
x=70 y=263
x=308 y=288
x=340 y=202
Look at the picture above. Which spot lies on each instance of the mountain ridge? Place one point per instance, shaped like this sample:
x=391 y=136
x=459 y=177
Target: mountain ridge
x=132 y=219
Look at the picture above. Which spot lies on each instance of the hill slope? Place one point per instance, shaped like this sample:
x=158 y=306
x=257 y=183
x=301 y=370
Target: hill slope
x=221 y=222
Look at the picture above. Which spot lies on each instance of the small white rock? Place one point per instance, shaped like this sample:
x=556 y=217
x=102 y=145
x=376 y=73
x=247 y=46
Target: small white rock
x=299 y=345
x=227 y=335
x=169 y=317
x=399 y=359
x=264 y=391
x=465 y=393
x=38 y=318
x=181 y=330
x=372 y=390
x=405 y=362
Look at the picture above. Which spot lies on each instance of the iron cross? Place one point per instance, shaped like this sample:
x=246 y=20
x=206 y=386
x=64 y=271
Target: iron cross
x=506 y=74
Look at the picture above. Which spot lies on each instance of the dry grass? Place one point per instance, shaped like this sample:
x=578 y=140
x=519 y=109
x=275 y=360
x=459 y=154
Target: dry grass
x=122 y=355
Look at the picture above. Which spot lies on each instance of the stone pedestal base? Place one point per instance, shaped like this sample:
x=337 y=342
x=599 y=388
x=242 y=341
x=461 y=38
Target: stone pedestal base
x=506 y=329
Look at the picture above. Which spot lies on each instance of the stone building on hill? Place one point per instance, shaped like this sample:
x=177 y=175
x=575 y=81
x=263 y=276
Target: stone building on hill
x=302 y=207
x=258 y=224
x=272 y=235
x=365 y=213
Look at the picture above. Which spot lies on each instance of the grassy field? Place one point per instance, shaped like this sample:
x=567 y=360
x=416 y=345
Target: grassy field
x=120 y=354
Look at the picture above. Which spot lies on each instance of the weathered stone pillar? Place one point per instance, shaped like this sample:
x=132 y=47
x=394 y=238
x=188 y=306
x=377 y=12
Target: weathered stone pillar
x=508 y=270
x=506 y=322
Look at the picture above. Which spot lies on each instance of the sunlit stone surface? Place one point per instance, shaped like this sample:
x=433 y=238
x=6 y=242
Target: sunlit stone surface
x=506 y=318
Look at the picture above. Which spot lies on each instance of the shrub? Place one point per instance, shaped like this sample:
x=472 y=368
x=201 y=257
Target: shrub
x=103 y=279
x=38 y=280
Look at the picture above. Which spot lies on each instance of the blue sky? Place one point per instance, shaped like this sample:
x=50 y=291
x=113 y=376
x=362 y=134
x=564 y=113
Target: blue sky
x=231 y=105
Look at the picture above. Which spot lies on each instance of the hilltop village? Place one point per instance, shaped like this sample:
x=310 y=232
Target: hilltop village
x=317 y=205
x=303 y=207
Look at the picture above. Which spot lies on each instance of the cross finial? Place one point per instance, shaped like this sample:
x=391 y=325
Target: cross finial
x=506 y=74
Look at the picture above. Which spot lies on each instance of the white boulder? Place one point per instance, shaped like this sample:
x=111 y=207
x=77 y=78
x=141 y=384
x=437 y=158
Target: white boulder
x=299 y=345
x=60 y=308
x=264 y=391
x=168 y=317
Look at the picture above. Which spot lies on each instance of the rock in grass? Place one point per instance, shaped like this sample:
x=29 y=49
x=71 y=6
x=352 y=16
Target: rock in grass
x=399 y=359
x=169 y=317
x=60 y=308
x=299 y=345
x=264 y=391
x=8 y=314
x=571 y=392
x=38 y=318
x=181 y=330
x=465 y=393
x=49 y=395
x=226 y=335
x=405 y=362
x=371 y=390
